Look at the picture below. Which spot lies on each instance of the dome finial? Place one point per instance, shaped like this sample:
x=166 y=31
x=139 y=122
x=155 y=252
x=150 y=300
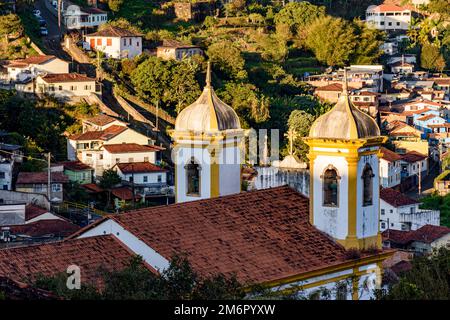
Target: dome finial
x=208 y=75
x=344 y=84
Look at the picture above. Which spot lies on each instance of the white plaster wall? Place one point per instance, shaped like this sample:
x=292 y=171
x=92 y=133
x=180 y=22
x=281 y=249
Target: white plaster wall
x=333 y=221
x=139 y=247
x=441 y=242
x=389 y=173
x=45 y=216
x=71 y=150
x=367 y=217
x=130 y=136
x=230 y=171
x=182 y=157
x=152 y=177
x=130 y=50
x=109 y=159
x=66 y=89
x=53 y=66
x=7 y=169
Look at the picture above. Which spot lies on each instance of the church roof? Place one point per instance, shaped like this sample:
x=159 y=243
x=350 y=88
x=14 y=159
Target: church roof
x=208 y=113
x=344 y=121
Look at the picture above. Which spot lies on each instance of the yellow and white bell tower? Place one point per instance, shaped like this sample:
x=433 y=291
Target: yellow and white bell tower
x=207 y=148
x=344 y=150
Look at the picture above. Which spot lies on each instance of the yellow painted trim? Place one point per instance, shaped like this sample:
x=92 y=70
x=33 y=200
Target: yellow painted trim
x=214 y=170
x=363 y=243
x=331 y=269
x=351 y=240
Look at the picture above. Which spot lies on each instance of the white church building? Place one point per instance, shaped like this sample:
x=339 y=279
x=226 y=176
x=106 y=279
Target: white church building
x=276 y=237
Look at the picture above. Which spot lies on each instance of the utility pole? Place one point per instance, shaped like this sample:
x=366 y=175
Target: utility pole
x=157 y=114
x=132 y=185
x=420 y=177
x=59 y=17
x=49 y=178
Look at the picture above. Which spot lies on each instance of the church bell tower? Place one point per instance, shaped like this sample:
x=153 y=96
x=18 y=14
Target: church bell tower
x=207 y=148
x=344 y=150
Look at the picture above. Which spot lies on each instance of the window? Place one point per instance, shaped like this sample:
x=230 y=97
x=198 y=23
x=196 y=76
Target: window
x=398 y=23
x=109 y=42
x=145 y=159
x=2 y=175
x=124 y=41
x=383 y=225
x=5 y=187
x=367 y=177
x=73 y=88
x=391 y=211
x=117 y=160
x=330 y=187
x=137 y=43
x=159 y=178
x=382 y=212
x=56 y=187
x=389 y=23
x=87 y=87
x=145 y=179
x=60 y=88
x=130 y=179
x=381 y=23
x=129 y=41
x=99 y=41
x=193 y=178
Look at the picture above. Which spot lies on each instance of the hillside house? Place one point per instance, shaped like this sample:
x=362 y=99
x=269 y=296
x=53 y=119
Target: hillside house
x=23 y=70
x=37 y=182
x=175 y=50
x=388 y=17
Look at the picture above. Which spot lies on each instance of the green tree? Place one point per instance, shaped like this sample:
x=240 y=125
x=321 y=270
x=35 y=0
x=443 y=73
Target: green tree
x=427 y=280
x=439 y=6
x=227 y=57
x=108 y=180
x=300 y=122
x=369 y=41
x=332 y=40
x=272 y=46
x=431 y=58
x=297 y=15
x=10 y=24
x=115 y=5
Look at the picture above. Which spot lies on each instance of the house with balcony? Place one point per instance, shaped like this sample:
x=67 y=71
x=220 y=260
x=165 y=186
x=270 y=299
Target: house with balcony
x=388 y=17
x=399 y=212
x=23 y=70
x=175 y=50
x=366 y=101
x=76 y=18
x=101 y=122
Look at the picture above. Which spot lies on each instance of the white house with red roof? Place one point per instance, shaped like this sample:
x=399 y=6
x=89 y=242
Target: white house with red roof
x=390 y=168
x=400 y=212
x=67 y=85
x=115 y=42
x=101 y=122
x=388 y=17
x=26 y=69
x=37 y=182
x=79 y=18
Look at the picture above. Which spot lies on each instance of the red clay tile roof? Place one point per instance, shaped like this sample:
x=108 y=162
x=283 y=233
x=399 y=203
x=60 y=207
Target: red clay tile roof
x=428 y=234
x=427 y=117
x=106 y=134
x=101 y=120
x=419 y=101
x=90 y=254
x=42 y=228
x=41 y=177
x=401 y=267
x=31 y=60
x=388 y=8
x=65 y=77
x=413 y=156
x=92 y=187
x=124 y=193
x=389 y=155
x=441 y=81
x=32 y=211
x=139 y=167
x=169 y=43
x=112 y=31
x=76 y=166
x=130 y=148
x=332 y=87
x=260 y=235
x=396 y=198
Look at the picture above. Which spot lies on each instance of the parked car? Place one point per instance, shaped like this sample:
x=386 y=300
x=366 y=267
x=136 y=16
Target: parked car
x=43 y=31
x=42 y=22
x=37 y=12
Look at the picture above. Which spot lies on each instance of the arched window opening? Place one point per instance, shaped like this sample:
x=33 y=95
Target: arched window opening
x=367 y=178
x=330 y=187
x=193 y=178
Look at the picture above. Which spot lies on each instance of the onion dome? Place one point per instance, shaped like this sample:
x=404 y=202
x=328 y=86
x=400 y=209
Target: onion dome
x=208 y=113
x=344 y=121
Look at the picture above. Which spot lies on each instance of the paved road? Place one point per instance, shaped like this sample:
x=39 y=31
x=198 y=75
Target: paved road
x=51 y=19
x=427 y=184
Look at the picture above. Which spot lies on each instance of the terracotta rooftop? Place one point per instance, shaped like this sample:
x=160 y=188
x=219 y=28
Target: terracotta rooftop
x=45 y=228
x=105 y=135
x=41 y=177
x=169 y=43
x=112 y=31
x=421 y=101
x=260 y=235
x=65 y=77
x=32 y=211
x=389 y=155
x=427 y=117
x=101 y=120
x=388 y=8
x=332 y=87
x=413 y=156
x=139 y=167
x=90 y=254
x=31 y=60
x=428 y=234
x=76 y=166
x=442 y=81
x=396 y=198
x=130 y=148
x=124 y=193
x=92 y=187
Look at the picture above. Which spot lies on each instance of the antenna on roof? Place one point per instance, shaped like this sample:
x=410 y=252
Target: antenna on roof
x=208 y=75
